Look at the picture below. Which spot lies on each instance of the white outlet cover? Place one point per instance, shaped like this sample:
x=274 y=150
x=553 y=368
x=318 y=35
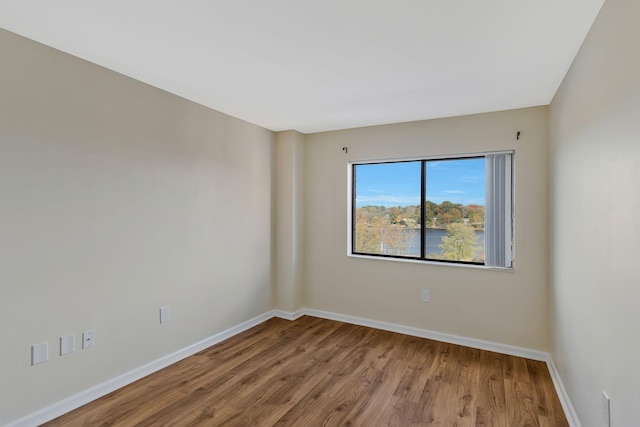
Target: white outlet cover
x=39 y=353
x=606 y=409
x=88 y=338
x=425 y=295
x=67 y=344
x=165 y=314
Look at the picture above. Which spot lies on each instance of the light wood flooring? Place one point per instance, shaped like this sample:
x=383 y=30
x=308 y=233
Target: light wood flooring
x=317 y=372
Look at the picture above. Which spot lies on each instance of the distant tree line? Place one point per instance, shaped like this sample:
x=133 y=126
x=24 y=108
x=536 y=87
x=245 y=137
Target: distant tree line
x=436 y=215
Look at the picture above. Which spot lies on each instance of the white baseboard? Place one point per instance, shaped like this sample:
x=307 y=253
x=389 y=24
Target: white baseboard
x=287 y=315
x=66 y=405
x=572 y=417
x=438 y=336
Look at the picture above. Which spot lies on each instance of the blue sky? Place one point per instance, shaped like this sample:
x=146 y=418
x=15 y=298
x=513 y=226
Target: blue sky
x=398 y=184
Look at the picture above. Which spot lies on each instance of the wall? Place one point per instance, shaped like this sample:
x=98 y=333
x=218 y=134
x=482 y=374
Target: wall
x=595 y=148
x=289 y=190
x=504 y=307
x=117 y=198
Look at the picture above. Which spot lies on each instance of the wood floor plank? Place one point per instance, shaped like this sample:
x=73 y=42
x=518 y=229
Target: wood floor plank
x=399 y=413
x=326 y=399
x=366 y=410
x=411 y=383
x=317 y=372
x=283 y=386
x=491 y=401
x=521 y=406
x=468 y=383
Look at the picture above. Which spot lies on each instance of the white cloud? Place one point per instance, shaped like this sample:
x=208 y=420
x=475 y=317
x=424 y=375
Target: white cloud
x=387 y=200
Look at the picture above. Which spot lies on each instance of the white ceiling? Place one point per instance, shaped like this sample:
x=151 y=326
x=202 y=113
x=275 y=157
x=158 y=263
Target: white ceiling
x=324 y=64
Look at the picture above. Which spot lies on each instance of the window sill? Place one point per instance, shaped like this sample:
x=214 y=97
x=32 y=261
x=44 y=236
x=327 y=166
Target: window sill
x=436 y=263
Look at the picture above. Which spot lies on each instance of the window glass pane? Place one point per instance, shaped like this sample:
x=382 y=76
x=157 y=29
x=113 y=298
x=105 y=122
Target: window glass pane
x=387 y=208
x=454 y=209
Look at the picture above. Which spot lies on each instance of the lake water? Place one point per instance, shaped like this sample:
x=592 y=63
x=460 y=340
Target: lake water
x=434 y=240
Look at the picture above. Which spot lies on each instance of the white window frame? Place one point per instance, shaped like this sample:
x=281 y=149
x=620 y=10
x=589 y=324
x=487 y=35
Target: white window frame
x=504 y=221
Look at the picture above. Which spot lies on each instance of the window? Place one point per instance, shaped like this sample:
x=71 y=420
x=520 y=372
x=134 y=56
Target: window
x=456 y=209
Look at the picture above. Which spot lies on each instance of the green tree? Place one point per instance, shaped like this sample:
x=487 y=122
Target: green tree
x=367 y=239
x=459 y=243
x=429 y=204
x=443 y=208
x=476 y=216
x=429 y=216
x=448 y=212
x=456 y=215
x=394 y=213
x=398 y=240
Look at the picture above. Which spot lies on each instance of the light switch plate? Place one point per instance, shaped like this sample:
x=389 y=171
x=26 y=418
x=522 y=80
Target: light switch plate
x=67 y=344
x=425 y=295
x=39 y=353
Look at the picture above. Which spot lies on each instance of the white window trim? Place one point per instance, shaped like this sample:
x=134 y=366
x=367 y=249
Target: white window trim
x=509 y=211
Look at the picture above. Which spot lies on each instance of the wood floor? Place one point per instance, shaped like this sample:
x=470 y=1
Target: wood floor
x=316 y=372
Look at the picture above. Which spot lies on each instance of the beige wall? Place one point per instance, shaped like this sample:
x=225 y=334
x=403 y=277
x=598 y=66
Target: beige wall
x=289 y=212
x=595 y=150
x=503 y=307
x=116 y=198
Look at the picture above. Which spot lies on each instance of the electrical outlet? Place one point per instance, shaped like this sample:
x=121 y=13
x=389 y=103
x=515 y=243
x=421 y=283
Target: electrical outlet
x=425 y=295
x=67 y=344
x=39 y=353
x=165 y=314
x=88 y=339
x=606 y=409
